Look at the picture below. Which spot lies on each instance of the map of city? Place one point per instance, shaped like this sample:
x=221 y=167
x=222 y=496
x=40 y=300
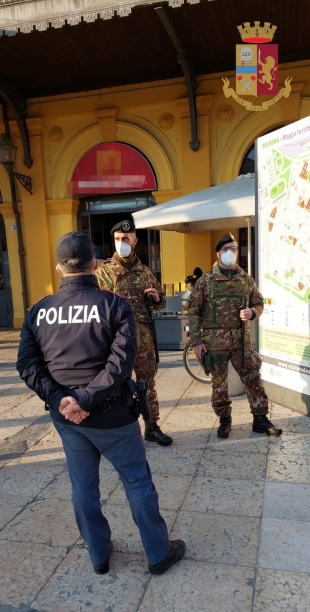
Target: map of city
x=284 y=207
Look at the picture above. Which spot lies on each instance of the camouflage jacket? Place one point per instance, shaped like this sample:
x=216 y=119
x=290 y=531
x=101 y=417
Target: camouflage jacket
x=214 y=308
x=130 y=284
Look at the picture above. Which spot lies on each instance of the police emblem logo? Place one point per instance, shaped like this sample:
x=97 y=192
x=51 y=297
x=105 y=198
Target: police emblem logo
x=126 y=226
x=257 y=67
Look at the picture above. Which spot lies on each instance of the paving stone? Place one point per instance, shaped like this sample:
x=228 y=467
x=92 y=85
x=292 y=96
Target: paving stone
x=292 y=424
x=25 y=569
x=279 y=591
x=197 y=587
x=37 y=524
x=241 y=441
x=289 y=501
x=173 y=460
x=15 y=446
x=10 y=506
x=285 y=545
x=48 y=449
x=29 y=479
x=218 y=538
x=224 y=496
x=290 y=444
x=75 y=587
x=288 y=468
x=229 y=464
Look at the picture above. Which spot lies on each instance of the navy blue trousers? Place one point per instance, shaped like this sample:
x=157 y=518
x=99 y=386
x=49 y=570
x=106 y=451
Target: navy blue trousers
x=123 y=447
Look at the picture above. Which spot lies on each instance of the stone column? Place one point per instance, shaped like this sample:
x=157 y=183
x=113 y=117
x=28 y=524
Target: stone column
x=195 y=164
x=107 y=123
x=14 y=262
x=196 y=176
x=36 y=235
x=62 y=216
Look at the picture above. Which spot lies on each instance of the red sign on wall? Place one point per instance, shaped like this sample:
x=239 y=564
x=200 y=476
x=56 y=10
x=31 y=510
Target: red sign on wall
x=111 y=168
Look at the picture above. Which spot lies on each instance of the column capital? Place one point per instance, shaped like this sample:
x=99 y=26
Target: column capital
x=35 y=127
x=6 y=210
x=203 y=105
x=62 y=207
x=163 y=196
x=106 y=112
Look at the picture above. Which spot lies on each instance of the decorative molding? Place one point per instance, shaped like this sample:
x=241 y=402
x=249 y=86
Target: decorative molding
x=55 y=134
x=166 y=121
x=225 y=113
x=26 y=15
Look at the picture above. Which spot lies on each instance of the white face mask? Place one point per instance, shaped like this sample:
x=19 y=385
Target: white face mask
x=123 y=249
x=229 y=258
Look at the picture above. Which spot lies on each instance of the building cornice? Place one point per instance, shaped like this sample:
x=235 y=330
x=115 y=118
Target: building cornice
x=26 y=15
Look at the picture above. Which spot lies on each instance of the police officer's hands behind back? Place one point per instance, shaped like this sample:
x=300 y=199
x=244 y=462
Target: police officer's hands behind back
x=70 y=409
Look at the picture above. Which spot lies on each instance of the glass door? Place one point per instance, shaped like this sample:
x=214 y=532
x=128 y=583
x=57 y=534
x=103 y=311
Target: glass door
x=96 y=217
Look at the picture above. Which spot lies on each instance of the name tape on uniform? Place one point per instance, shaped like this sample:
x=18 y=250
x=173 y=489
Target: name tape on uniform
x=74 y=314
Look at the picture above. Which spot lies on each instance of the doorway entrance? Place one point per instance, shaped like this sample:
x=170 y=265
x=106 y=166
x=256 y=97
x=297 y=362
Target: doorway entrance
x=96 y=217
x=6 y=304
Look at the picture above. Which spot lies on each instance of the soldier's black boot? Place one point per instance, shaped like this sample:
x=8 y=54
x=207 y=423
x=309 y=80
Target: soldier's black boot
x=262 y=425
x=153 y=433
x=225 y=427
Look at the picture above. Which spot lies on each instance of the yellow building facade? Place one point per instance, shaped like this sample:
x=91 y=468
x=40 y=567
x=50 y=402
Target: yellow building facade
x=153 y=118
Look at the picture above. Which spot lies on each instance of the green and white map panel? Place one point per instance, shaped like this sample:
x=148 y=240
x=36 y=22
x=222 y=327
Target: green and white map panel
x=283 y=222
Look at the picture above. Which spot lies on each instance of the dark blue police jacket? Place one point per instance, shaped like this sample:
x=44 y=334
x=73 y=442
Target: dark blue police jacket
x=81 y=342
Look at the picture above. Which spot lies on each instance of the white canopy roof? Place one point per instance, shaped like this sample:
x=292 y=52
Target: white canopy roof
x=225 y=205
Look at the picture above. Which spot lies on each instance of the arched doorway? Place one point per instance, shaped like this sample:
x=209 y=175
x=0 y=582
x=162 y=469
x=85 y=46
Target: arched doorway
x=112 y=180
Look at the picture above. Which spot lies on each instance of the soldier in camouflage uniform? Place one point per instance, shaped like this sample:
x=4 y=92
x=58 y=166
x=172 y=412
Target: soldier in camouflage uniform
x=126 y=275
x=215 y=320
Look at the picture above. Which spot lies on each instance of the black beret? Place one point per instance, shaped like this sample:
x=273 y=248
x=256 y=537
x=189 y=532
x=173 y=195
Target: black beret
x=75 y=246
x=226 y=238
x=124 y=227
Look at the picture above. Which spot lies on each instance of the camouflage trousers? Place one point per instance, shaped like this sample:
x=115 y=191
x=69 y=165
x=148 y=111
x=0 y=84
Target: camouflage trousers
x=146 y=367
x=249 y=376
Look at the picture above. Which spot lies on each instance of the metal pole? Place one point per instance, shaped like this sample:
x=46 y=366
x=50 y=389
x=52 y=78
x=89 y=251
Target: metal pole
x=149 y=253
x=248 y=220
x=21 y=251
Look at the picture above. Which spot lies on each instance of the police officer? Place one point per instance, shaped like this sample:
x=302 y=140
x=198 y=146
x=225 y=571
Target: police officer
x=126 y=275
x=215 y=320
x=77 y=352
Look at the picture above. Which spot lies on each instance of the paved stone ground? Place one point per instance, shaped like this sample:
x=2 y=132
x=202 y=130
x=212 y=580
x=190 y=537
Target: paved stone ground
x=241 y=505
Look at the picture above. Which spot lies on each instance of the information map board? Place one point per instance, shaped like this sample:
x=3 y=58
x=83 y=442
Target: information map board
x=283 y=249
